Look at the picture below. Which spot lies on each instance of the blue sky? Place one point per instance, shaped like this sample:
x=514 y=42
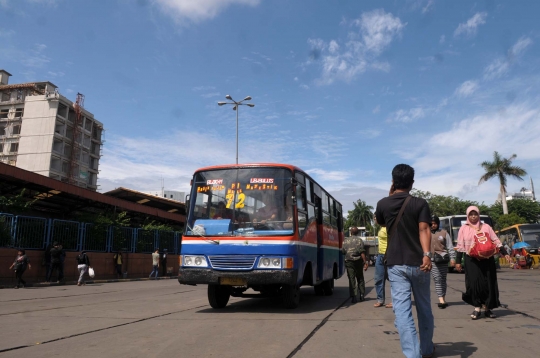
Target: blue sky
x=344 y=89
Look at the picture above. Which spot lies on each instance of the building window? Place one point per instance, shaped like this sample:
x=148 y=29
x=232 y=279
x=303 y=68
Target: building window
x=14 y=147
x=62 y=110
x=19 y=112
x=4 y=113
x=1 y=148
x=86 y=142
x=2 y=129
x=88 y=124
x=94 y=163
x=6 y=96
x=72 y=116
x=17 y=129
x=67 y=150
x=85 y=157
x=56 y=164
x=58 y=146
x=65 y=166
x=59 y=128
x=69 y=132
x=171 y=197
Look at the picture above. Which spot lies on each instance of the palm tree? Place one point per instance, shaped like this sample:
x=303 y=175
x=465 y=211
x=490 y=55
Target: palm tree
x=361 y=215
x=501 y=168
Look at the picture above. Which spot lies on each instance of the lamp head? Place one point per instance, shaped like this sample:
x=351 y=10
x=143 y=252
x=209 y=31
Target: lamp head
x=221 y=103
x=248 y=98
x=234 y=108
x=228 y=97
x=250 y=105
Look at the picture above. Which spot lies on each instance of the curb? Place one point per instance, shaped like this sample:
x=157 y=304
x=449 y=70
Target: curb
x=89 y=282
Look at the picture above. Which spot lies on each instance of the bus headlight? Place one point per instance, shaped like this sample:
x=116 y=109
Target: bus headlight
x=270 y=263
x=194 y=261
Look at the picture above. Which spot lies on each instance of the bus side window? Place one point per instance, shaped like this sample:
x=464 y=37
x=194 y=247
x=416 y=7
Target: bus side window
x=302 y=223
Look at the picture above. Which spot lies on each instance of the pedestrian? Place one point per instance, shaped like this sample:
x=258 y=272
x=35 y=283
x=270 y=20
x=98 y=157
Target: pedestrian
x=118 y=263
x=408 y=260
x=155 y=264
x=443 y=252
x=164 y=263
x=355 y=261
x=19 y=265
x=481 y=288
x=381 y=274
x=57 y=255
x=83 y=264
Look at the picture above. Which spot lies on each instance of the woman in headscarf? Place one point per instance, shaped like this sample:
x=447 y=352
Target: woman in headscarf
x=481 y=289
x=443 y=251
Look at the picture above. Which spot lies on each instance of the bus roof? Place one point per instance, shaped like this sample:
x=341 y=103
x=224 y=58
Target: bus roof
x=527 y=226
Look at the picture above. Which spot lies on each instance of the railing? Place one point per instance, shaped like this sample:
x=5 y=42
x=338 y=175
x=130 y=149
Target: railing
x=37 y=233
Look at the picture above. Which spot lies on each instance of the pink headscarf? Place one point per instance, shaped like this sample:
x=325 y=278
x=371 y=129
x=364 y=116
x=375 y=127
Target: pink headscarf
x=473 y=208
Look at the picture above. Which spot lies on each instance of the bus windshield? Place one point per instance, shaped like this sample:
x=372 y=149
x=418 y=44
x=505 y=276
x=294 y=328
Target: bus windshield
x=531 y=235
x=241 y=202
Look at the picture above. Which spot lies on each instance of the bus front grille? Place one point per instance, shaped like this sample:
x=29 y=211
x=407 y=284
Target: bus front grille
x=232 y=262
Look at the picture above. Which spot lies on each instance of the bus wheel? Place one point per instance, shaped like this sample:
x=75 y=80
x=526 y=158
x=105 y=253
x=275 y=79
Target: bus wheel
x=291 y=296
x=218 y=296
x=328 y=287
x=319 y=290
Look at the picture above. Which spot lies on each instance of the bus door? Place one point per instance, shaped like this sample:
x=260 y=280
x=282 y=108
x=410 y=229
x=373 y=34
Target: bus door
x=320 y=227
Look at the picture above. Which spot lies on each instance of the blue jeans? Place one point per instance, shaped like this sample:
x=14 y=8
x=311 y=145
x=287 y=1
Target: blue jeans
x=404 y=281
x=155 y=268
x=379 y=278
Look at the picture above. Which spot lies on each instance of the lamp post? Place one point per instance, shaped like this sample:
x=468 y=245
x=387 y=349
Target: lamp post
x=235 y=108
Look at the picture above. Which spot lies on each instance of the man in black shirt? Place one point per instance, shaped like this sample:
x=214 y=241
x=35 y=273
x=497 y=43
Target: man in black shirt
x=408 y=258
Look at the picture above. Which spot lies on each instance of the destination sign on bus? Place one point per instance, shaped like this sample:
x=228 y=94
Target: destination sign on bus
x=261 y=181
x=214 y=182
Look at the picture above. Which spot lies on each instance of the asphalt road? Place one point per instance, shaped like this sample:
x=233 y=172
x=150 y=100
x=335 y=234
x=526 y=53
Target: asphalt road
x=165 y=319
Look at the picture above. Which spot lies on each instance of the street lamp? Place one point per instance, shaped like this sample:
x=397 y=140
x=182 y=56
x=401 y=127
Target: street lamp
x=235 y=108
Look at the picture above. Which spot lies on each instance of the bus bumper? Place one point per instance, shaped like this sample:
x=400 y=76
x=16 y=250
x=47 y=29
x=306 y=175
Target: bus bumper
x=193 y=276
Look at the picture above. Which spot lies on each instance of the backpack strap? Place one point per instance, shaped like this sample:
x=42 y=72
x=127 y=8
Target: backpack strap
x=394 y=227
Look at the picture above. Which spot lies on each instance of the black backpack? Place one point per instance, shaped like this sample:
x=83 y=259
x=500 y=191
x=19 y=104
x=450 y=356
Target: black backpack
x=81 y=259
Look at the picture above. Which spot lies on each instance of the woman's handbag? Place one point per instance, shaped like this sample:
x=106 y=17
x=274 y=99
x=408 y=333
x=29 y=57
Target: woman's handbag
x=91 y=272
x=439 y=259
x=482 y=247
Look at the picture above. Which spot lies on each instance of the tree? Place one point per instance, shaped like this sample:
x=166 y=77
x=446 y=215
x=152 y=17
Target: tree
x=361 y=215
x=441 y=205
x=501 y=168
x=16 y=204
x=526 y=209
x=503 y=221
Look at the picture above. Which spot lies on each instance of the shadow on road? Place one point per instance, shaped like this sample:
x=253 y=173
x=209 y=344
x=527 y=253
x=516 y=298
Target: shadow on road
x=309 y=303
x=452 y=349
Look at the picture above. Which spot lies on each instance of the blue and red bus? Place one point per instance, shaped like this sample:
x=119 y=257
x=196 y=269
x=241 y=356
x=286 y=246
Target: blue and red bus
x=266 y=227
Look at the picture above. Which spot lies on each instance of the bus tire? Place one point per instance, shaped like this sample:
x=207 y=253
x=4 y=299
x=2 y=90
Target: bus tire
x=328 y=287
x=291 y=296
x=319 y=290
x=218 y=296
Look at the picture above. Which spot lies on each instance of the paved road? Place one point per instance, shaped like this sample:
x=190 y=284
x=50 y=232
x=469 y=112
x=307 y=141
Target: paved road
x=163 y=318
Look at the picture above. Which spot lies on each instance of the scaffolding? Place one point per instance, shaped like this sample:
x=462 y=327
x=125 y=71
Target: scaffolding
x=73 y=168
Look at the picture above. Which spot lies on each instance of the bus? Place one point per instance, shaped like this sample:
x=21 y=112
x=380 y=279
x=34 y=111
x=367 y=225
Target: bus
x=528 y=233
x=266 y=227
x=453 y=223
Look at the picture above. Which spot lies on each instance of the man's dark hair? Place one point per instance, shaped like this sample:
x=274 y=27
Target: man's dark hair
x=354 y=230
x=403 y=176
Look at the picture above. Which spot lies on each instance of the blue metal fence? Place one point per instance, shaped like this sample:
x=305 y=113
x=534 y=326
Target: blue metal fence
x=36 y=233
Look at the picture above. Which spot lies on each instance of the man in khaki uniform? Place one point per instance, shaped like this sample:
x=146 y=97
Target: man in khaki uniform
x=355 y=260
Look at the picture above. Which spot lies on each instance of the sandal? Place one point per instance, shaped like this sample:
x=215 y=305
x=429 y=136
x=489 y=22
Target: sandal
x=489 y=314
x=378 y=304
x=389 y=305
x=475 y=315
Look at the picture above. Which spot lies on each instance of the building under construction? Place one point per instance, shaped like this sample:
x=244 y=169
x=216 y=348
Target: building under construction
x=46 y=133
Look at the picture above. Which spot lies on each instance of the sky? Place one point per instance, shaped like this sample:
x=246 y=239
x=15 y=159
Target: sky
x=343 y=89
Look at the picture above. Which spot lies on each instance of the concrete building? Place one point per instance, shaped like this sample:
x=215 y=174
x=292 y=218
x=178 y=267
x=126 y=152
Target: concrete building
x=169 y=194
x=524 y=193
x=41 y=132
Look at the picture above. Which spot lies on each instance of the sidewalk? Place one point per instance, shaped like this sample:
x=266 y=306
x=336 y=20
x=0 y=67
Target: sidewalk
x=88 y=282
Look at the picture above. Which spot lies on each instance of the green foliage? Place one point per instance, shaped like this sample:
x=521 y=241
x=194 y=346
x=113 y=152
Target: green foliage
x=17 y=204
x=442 y=205
x=5 y=232
x=526 y=209
x=152 y=225
x=510 y=219
x=361 y=215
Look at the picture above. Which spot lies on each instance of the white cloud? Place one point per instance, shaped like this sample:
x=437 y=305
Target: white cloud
x=6 y=33
x=328 y=175
x=210 y=95
x=501 y=65
x=203 y=88
x=428 y=7
x=370 y=133
x=442 y=39
x=376 y=109
x=470 y=27
x=466 y=89
x=306 y=87
x=411 y=115
x=344 y=62
x=183 y=11
x=296 y=79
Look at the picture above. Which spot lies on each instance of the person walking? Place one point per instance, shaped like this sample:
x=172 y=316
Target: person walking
x=380 y=270
x=443 y=252
x=83 y=264
x=164 y=263
x=355 y=260
x=118 y=263
x=57 y=252
x=155 y=264
x=481 y=288
x=20 y=265
x=408 y=259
